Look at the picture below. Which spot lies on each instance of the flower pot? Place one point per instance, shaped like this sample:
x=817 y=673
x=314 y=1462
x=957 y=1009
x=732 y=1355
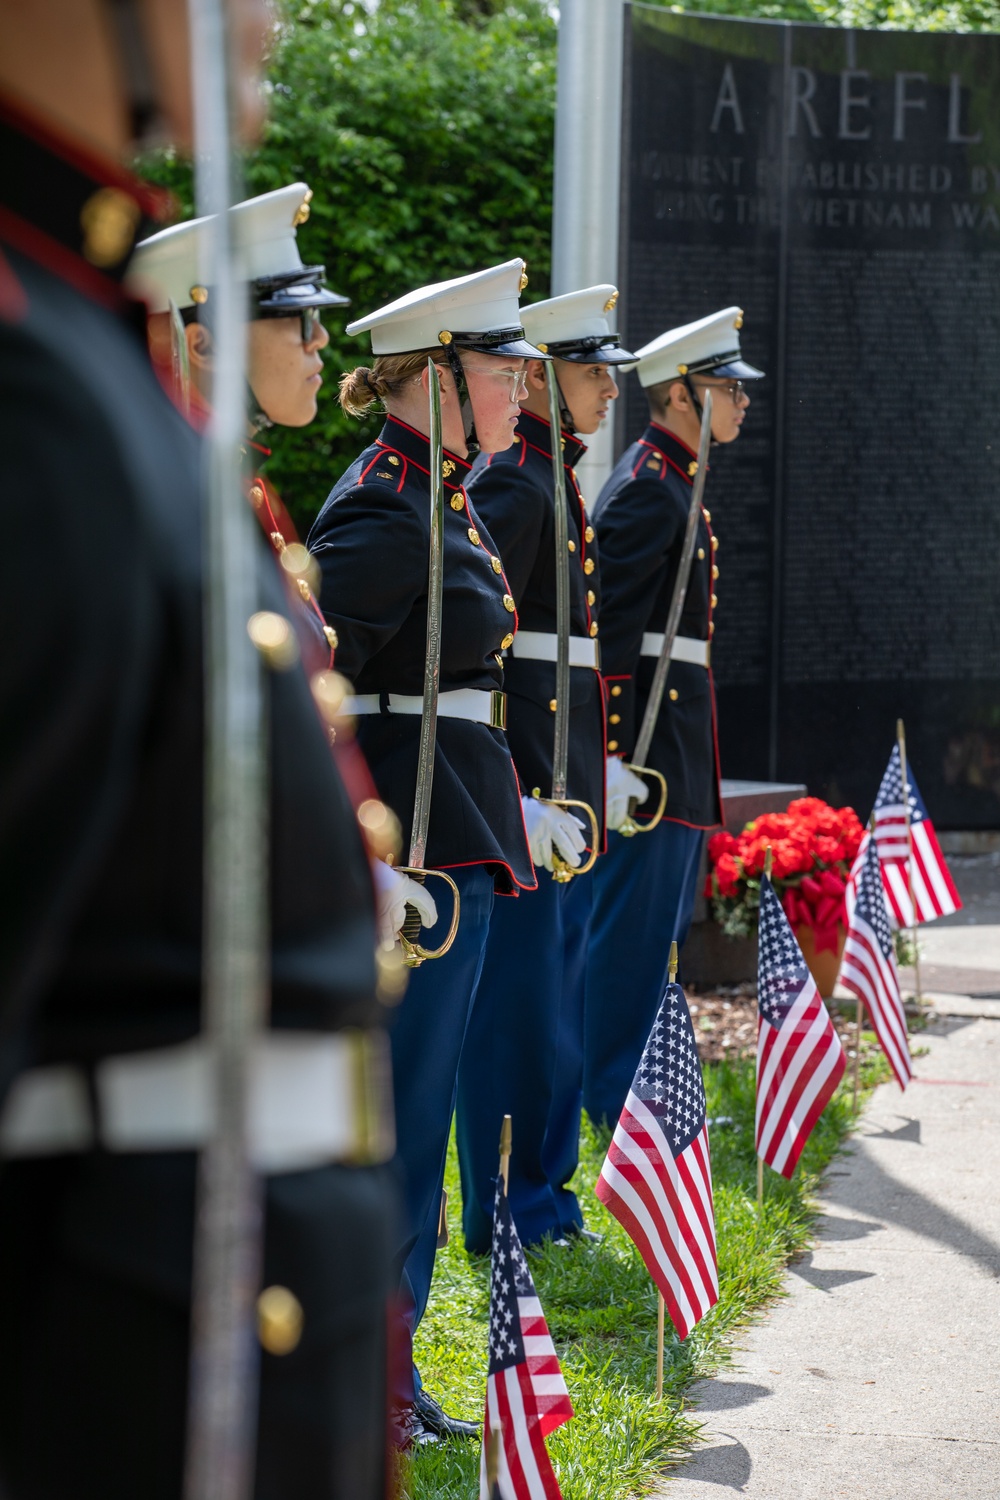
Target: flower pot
x=824 y=966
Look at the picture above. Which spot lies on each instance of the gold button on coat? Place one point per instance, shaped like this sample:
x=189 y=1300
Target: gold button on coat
x=507 y=642
x=553 y=705
x=715 y=544
x=616 y=691
x=591 y=597
x=588 y=535
x=673 y=695
x=715 y=600
x=571 y=545
x=612 y=744
x=496 y=564
x=508 y=604
x=593 y=627
x=701 y=554
x=715 y=571
x=457 y=503
x=589 y=565
x=279 y=1320
x=473 y=536
x=708 y=516
x=614 y=718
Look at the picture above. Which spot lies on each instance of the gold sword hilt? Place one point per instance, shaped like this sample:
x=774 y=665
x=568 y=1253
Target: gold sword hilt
x=630 y=826
x=561 y=869
x=413 y=952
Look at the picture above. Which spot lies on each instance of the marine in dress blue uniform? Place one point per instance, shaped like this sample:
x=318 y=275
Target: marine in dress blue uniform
x=101 y=949
x=165 y=272
x=371 y=541
x=523 y=1052
x=644 y=888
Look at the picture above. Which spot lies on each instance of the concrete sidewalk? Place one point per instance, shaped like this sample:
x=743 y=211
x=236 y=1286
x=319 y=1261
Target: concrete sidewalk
x=878 y=1378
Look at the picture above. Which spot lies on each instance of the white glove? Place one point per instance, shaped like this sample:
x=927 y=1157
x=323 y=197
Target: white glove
x=622 y=786
x=548 y=826
x=393 y=892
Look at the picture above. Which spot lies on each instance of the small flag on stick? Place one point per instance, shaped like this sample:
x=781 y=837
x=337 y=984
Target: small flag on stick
x=934 y=892
x=799 y=1057
x=526 y=1395
x=657 y=1175
x=868 y=969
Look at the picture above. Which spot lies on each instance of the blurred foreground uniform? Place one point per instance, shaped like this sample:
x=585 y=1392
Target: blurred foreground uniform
x=524 y=1050
x=100 y=963
x=644 y=888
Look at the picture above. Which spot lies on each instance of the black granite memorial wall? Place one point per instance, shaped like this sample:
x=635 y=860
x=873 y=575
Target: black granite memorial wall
x=843 y=188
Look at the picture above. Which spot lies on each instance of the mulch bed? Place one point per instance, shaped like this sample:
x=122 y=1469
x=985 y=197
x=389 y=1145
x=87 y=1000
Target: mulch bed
x=725 y=1021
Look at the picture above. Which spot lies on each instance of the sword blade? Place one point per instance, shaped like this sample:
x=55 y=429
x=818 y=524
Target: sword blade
x=659 y=682
x=560 y=746
x=432 y=650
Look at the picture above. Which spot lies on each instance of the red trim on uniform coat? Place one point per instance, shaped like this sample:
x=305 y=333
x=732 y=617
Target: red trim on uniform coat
x=13 y=297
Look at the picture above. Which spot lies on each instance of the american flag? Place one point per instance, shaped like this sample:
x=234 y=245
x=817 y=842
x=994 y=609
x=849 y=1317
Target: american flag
x=934 y=893
x=868 y=968
x=526 y=1395
x=657 y=1176
x=799 y=1057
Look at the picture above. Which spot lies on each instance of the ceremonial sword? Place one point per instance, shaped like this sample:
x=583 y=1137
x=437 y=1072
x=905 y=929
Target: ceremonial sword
x=414 y=954
x=562 y=871
x=228 y=1246
x=659 y=682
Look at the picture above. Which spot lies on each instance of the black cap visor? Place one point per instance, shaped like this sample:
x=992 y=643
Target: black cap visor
x=734 y=369
x=592 y=351
x=508 y=342
x=284 y=295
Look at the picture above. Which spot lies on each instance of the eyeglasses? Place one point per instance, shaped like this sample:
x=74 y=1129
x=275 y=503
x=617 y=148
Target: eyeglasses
x=517 y=379
x=311 y=324
x=735 y=389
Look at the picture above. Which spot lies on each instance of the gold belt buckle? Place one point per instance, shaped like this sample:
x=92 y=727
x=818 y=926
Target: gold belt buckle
x=498 y=709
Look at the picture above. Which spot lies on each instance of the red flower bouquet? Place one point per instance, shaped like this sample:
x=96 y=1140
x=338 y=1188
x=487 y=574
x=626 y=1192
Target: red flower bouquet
x=812 y=849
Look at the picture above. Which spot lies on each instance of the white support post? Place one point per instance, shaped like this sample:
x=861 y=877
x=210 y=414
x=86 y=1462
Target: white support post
x=587 y=173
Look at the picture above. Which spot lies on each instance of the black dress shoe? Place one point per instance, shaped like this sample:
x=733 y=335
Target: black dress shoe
x=408 y=1431
x=437 y=1422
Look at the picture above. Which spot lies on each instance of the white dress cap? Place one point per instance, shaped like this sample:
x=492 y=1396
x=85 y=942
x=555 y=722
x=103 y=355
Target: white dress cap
x=473 y=312
x=711 y=345
x=172 y=266
x=576 y=327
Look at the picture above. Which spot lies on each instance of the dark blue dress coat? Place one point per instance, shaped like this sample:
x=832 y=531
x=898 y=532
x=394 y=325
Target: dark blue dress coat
x=640 y=517
x=514 y=494
x=371 y=542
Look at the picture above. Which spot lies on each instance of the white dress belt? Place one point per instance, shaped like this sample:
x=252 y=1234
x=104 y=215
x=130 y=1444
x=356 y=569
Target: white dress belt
x=314 y=1098
x=685 y=648
x=538 y=645
x=479 y=705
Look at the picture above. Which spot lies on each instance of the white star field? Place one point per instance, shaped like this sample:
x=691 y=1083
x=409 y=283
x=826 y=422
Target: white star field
x=669 y=1080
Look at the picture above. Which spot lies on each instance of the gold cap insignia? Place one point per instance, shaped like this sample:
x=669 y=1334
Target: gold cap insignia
x=444 y=337
x=738 y=320
x=524 y=276
x=544 y=348
x=199 y=294
x=609 y=305
x=303 y=210
x=682 y=369
x=108 y=219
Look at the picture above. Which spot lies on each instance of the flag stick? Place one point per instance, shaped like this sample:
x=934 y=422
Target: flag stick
x=660 y=1305
x=857 y=1050
x=506 y=1137
x=901 y=741
x=660 y=1322
x=768 y=863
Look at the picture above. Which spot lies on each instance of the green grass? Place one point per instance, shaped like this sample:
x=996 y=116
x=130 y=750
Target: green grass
x=601 y=1308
